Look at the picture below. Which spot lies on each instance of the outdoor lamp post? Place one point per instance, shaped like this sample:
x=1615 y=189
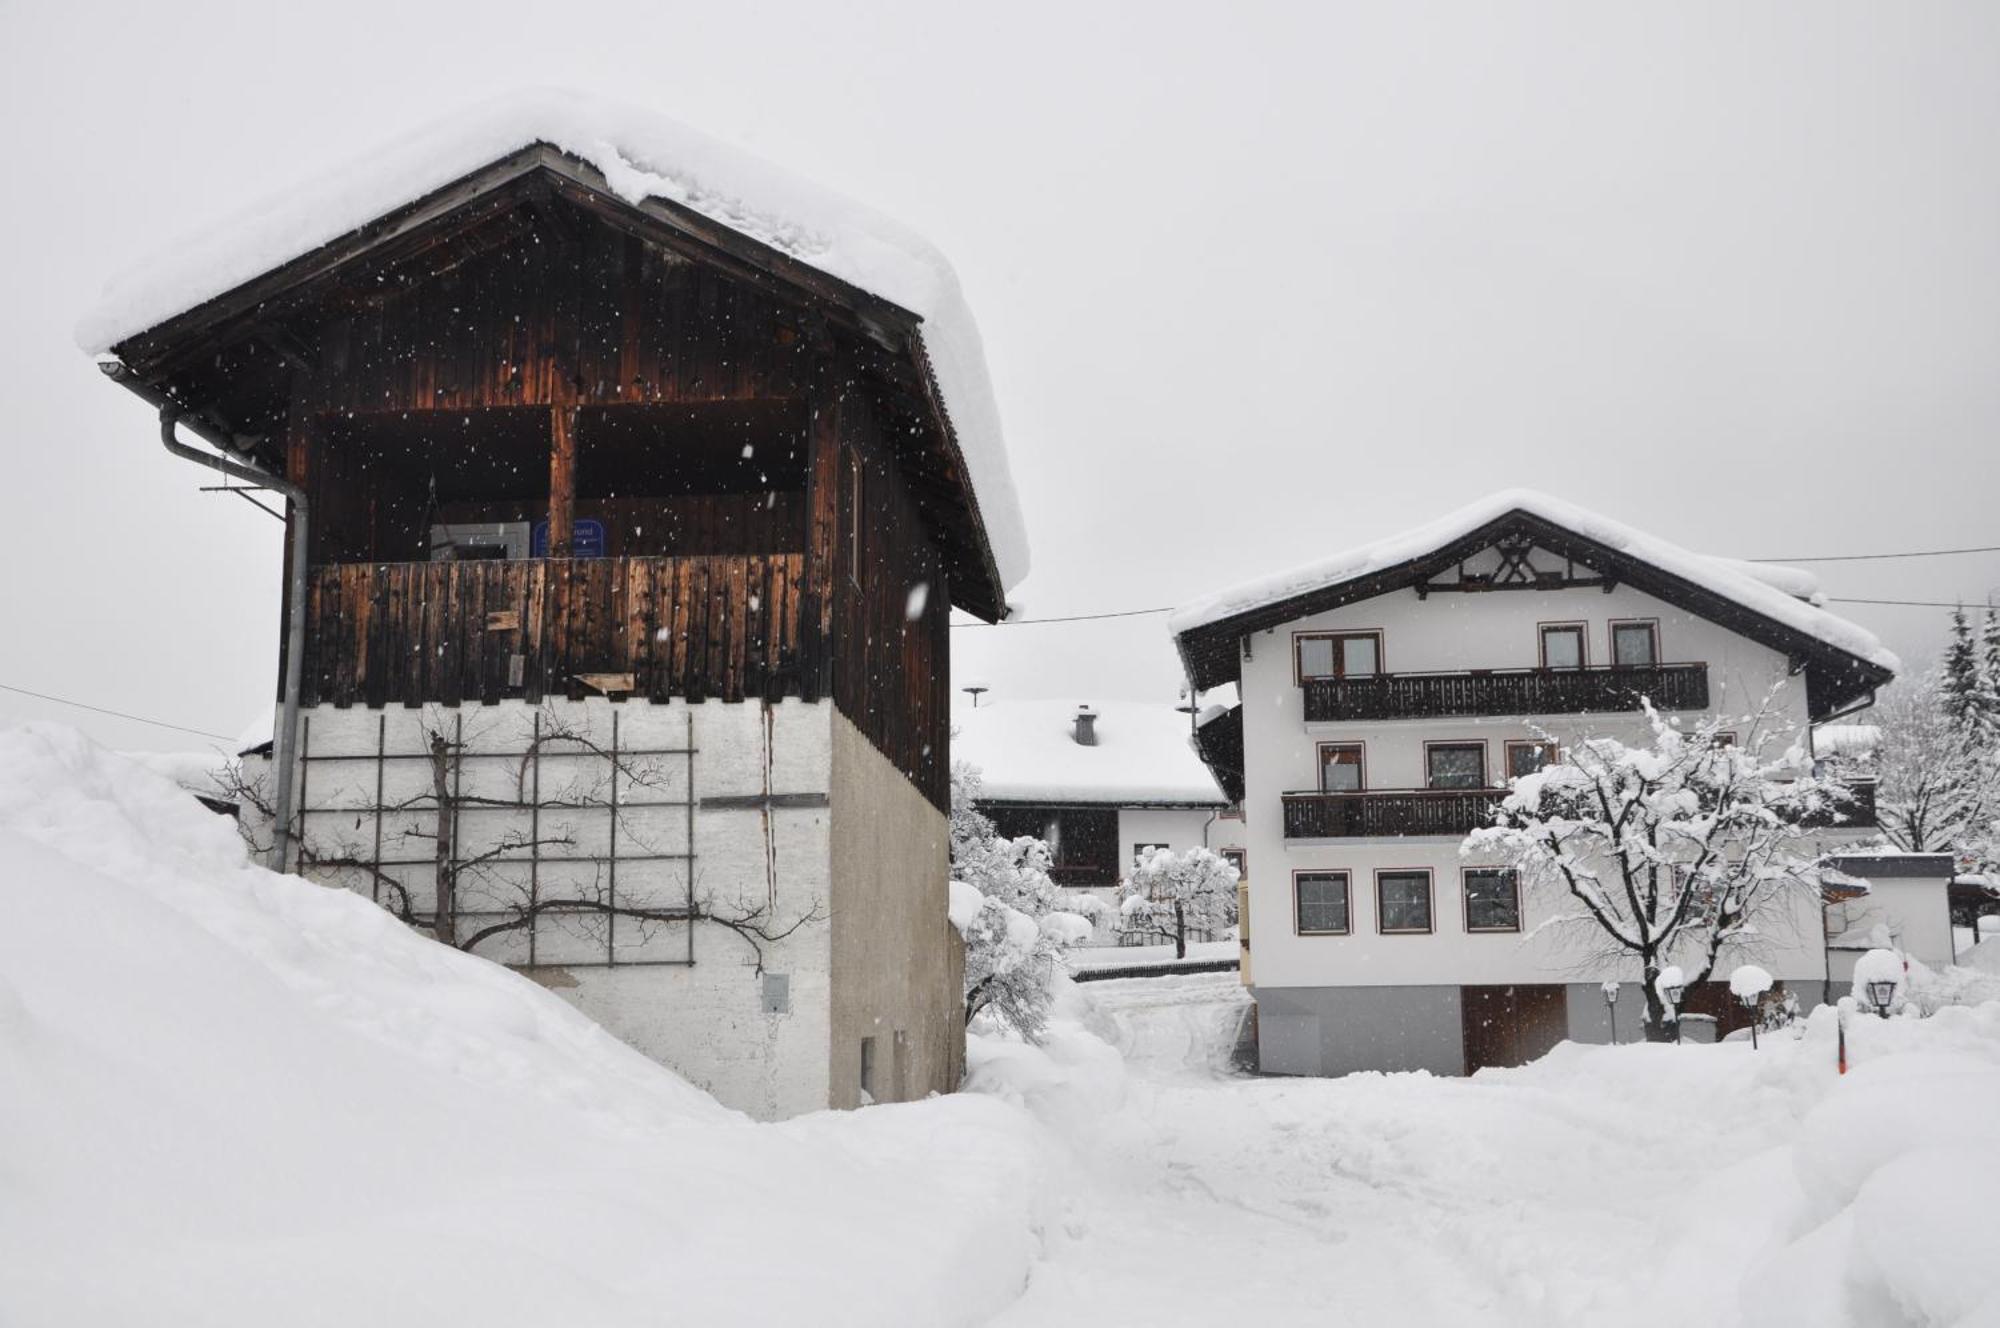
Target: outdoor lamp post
x=1672 y=996
x=1610 y=990
x=1882 y=991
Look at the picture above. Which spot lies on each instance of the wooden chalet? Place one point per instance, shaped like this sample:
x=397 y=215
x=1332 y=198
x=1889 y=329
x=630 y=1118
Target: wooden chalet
x=555 y=442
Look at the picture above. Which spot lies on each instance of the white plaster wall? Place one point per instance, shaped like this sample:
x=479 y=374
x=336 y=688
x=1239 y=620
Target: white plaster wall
x=1915 y=909
x=705 y=1020
x=1455 y=632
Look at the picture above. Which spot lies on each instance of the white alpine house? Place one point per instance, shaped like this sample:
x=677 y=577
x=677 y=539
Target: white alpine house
x=1390 y=693
x=1102 y=782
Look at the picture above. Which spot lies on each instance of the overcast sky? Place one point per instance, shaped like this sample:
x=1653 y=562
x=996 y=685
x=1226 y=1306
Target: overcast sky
x=1256 y=283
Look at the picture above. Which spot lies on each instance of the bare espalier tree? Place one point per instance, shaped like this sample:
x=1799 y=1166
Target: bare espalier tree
x=1680 y=852
x=1172 y=894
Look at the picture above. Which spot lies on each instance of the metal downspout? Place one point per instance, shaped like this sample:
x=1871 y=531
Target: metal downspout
x=285 y=740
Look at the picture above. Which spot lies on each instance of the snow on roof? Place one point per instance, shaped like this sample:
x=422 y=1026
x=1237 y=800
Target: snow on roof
x=1027 y=751
x=643 y=155
x=1769 y=590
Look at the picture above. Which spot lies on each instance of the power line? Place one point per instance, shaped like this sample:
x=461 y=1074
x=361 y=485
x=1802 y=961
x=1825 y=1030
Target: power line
x=116 y=714
x=1907 y=603
x=1877 y=557
x=1074 y=617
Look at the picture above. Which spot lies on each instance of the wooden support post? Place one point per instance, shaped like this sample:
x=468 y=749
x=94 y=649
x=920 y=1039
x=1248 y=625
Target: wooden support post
x=562 y=479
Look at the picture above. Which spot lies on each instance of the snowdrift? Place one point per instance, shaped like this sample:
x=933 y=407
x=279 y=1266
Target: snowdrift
x=231 y=1097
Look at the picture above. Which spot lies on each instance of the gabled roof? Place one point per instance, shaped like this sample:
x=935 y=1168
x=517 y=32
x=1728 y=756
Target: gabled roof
x=1843 y=662
x=1026 y=751
x=651 y=164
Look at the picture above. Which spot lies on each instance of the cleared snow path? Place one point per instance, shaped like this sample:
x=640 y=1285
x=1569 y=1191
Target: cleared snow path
x=1172 y=1027
x=1631 y=1186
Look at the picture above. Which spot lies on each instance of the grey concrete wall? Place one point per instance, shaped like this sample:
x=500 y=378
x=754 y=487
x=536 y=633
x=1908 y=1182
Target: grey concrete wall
x=1340 y=1030
x=898 y=964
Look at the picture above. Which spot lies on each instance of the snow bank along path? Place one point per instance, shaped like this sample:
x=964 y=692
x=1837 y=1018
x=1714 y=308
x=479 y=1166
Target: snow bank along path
x=1639 y=1186
x=229 y=1097
x=642 y=155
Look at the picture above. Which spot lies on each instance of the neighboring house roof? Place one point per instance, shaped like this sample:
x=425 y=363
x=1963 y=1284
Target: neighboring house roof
x=1886 y=863
x=1026 y=751
x=650 y=162
x=1843 y=661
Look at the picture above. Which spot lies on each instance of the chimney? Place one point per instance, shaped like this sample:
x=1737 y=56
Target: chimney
x=1086 y=725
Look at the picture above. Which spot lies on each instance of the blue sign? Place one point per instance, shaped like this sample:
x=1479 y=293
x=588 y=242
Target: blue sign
x=586 y=539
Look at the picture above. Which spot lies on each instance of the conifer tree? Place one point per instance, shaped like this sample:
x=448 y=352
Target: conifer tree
x=1965 y=691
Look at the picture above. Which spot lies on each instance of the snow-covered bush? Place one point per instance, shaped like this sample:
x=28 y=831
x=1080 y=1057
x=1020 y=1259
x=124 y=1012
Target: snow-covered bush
x=1172 y=894
x=1003 y=904
x=1676 y=852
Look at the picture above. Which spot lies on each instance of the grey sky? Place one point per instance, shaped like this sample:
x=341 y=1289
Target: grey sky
x=1256 y=283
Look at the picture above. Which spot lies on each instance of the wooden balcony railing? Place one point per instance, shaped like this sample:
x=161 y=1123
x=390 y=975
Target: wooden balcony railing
x=1507 y=692
x=1386 y=812
x=724 y=626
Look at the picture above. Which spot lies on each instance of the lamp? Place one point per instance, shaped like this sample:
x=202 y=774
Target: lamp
x=1882 y=991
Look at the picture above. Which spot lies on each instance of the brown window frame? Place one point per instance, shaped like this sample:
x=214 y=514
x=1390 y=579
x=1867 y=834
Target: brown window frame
x=1507 y=753
x=1238 y=858
x=1360 y=749
x=1582 y=630
x=1465 y=901
x=1299 y=676
x=1430 y=901
x=1723 y=738
x=1485 y=765
x=1346 y=875
x=1138 y=849
x=1611 y=640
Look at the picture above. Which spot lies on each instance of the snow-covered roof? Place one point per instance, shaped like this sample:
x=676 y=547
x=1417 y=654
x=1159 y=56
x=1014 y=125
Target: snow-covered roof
x=642 y=155
x=1768 y=590
x=1026 y=751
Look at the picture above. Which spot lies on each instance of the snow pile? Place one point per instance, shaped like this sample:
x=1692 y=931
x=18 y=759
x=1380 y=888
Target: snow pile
x=1769 y=591
x=1027 y=751
x=235 y=1098
x=643 y=155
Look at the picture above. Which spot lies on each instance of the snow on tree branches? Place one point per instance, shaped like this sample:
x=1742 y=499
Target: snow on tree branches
x=1672 y=853
x=1003 y=904
x=1172 y=894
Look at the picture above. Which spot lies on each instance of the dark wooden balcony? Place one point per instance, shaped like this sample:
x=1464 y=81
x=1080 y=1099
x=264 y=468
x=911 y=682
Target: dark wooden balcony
x=1611 y=687
x=1381 y=813
x=725 y=626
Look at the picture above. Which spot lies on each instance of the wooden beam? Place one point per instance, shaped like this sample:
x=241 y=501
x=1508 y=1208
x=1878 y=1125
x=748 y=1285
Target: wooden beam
x=562 y=480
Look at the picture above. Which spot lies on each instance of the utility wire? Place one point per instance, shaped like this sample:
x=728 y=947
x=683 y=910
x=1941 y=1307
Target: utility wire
x=1909 y=603
x=1074 y=617
x=1877 y=557
x=1831 y=599
x=116 y=714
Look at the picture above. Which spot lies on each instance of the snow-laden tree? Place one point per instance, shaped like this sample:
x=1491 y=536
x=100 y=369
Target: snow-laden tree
x=1172 y=894
x=1681 y=851
x=1968 y=689
x=1003 y=904
x=1936 y=778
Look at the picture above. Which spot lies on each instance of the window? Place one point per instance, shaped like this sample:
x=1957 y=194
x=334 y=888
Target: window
x=867 y=1071
x=1455 y=765
x=1340 y=767
x=1139 y=852
x=1722 y=739
x=1238 y=859
x=1402 y=901
x=1527 y=758
x=1337 y=654
x=854 y=516
x=1635 y=643
x=1083 y=841
x=1320 y=902
x=1492 y=899
x=1562 y=646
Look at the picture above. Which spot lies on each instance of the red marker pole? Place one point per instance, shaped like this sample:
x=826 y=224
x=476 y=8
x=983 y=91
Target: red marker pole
x=1840 y=1021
